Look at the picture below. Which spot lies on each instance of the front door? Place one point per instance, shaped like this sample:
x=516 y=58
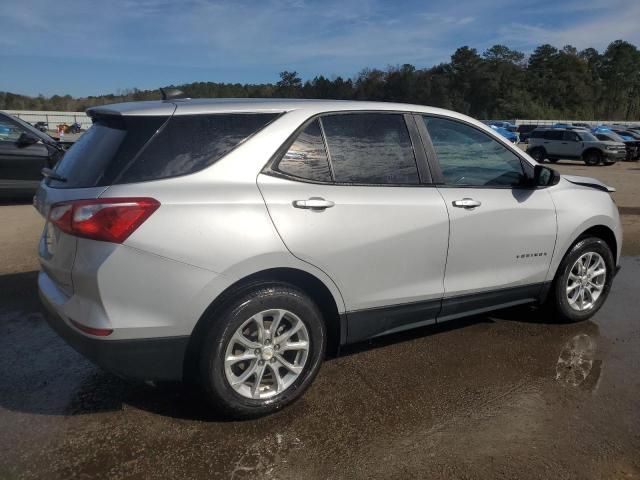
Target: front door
x=347 y=197
x=502 y=232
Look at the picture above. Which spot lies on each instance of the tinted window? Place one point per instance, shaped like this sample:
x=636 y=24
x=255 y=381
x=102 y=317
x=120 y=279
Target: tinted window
x=370 y=148
x=537 y=134
x=570 y=136
x=99 y=155
x=115 y=149
x=587 y=137
x=307 y=158
x=192 y=142
x=553 y=134
x=468 y=156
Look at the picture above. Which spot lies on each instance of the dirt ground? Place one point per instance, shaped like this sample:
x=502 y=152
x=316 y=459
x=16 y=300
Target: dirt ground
x=508 y=395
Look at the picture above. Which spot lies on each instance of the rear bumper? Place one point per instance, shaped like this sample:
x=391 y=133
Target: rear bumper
x=140 y=359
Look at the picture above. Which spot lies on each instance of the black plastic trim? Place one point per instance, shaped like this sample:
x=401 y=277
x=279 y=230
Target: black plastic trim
x=364 y=324
x=159 y=359
x=475 y=303
x=373 y=322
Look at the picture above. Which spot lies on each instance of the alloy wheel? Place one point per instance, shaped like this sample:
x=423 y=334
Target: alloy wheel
x=586 y=281
x=266 y=354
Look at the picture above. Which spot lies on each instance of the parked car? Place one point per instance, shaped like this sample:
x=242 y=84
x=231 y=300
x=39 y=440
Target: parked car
x=632 y=146
x=24 y=152
x=524 y=131
x=248 y=238
x=42 y=126
x=74 y=128
x=555 y=143
x=508 y=134
x=507 y=125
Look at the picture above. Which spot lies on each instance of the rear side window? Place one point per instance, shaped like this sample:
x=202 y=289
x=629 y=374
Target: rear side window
x=370 y=148
x=307 y=158
x=553 y=134
x=118 y=149
x=537 y=134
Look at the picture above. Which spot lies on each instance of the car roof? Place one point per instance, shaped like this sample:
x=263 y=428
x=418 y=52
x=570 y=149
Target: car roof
x=256 y=105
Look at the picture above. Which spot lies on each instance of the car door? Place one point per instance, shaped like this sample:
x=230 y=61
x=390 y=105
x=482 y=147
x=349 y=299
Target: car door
x=20 y=164
x=502 y=232
x=570 y=145
x=552 y=143
x=350 y=194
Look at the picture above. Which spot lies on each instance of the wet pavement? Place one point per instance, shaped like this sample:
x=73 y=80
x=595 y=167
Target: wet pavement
x=503 y=396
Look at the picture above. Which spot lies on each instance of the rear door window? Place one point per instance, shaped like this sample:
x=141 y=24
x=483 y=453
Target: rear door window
x=128 y=149
x=553 y=135
x=370 y=148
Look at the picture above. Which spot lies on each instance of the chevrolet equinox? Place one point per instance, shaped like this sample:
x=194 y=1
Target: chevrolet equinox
x=237 y=241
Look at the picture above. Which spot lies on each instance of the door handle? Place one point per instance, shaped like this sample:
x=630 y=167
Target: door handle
x=468 y=203
x=314 y=203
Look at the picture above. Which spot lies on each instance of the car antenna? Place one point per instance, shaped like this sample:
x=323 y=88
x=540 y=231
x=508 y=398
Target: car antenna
x=172 y=94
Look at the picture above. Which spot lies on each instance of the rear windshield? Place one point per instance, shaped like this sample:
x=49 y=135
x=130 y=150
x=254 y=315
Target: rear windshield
x=128 y=149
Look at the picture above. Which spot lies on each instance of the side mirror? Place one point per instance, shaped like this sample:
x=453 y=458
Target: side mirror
x=25 y=139
x=545 y=176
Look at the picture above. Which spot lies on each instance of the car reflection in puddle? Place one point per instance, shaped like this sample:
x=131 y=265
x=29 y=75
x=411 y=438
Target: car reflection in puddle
x=577 y=365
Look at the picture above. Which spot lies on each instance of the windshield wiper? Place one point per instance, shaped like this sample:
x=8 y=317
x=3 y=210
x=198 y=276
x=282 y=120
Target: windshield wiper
x=48 y=173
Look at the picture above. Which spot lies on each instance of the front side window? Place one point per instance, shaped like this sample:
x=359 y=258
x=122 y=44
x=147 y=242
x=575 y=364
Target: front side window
x=370 y=148
x=306 y=157
x=470 y=157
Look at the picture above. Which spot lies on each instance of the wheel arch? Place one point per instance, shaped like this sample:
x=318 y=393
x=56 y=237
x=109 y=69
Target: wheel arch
x=600 y=231
x=307 y=282
x=592 y=149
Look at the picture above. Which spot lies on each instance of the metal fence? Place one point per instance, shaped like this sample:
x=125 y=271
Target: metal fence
x=53 y=119
x=592 y=123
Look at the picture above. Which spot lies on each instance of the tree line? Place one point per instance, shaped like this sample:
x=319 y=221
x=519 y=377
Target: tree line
x=497 y=83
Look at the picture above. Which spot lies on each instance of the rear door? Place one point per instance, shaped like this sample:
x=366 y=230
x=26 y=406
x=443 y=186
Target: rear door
x=20 y=165
x=350 y=194
x=502 y=232
x=552 y=142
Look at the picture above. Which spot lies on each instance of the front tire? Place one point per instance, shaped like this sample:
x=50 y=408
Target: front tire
x=593 y=158
x=263 y=351
x=583 y=281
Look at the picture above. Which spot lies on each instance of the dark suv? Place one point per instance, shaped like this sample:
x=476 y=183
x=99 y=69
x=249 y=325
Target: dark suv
x=24 y=152
x=554 y=144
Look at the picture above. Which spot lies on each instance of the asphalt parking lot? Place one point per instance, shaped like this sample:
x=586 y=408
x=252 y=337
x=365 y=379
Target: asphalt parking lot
x=502 y=396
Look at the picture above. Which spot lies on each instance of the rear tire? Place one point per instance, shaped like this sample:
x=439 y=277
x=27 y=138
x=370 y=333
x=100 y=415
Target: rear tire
x=249 y=370
x=538 y=154
x=577 y=292
x=593 y=158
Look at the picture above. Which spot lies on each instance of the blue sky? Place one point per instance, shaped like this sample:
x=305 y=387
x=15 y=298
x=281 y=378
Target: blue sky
x=95 y=47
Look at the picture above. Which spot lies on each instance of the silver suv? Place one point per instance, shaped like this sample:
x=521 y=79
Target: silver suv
x=554 y=144
x=238 y=242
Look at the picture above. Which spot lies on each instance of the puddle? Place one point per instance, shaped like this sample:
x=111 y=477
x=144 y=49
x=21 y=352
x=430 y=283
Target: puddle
x=577 y=362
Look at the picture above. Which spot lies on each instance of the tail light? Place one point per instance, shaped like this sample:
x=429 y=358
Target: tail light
x=104 y=219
